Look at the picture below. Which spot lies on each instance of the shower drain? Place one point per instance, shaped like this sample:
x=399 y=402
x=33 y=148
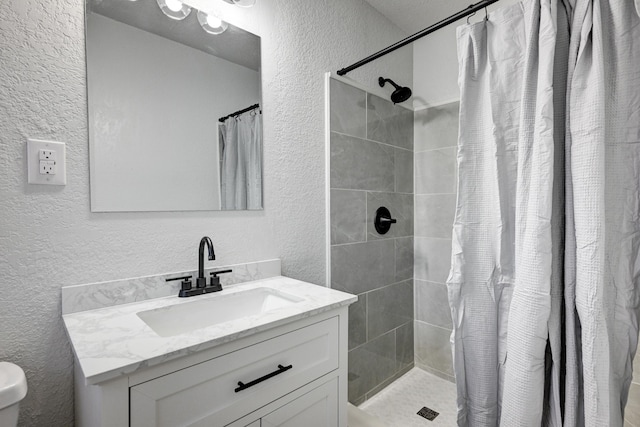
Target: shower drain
x=428 y=413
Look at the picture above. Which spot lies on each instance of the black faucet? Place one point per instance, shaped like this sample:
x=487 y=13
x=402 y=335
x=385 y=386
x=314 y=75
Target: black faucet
x=201 y=281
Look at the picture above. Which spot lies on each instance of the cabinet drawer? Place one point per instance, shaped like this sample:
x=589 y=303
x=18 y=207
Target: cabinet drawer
x=205 y=394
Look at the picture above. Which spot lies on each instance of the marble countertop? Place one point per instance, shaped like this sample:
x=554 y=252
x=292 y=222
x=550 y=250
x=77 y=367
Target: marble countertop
x=114 y=341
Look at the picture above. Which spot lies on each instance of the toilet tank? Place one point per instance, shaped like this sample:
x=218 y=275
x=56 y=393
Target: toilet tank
x=13 y=388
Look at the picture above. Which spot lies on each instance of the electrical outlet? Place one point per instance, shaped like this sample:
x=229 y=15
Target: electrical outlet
x=46 y=162
x=46 y=155
x=47 y=167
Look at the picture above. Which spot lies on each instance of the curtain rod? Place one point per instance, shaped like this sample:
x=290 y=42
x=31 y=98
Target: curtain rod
x=435 y=27
x=237 y=113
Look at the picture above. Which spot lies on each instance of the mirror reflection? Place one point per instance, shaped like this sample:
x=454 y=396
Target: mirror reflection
x=175 y=118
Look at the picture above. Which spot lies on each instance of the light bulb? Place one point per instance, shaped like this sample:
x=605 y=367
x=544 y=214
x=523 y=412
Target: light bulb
x=174 y=5
x=213 y=21
x=174 y=9
x=244 y=3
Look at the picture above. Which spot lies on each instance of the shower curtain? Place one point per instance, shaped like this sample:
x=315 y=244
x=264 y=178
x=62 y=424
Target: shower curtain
x=241 y=161
x=545 y=268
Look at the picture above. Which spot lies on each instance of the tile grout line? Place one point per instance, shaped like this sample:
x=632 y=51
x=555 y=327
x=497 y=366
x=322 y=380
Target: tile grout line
x=432 y=282
x=446 y=147
x=411 y=150
x=435 y=326
x=374 y=191
x=435 y=194
x=382 y=239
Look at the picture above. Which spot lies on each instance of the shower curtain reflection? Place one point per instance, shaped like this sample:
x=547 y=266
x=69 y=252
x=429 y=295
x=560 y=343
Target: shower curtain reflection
x=241 y=161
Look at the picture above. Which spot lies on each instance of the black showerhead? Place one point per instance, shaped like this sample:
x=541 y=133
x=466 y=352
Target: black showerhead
x=399 y=95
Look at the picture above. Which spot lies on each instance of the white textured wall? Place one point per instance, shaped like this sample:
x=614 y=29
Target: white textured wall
x=49 y=237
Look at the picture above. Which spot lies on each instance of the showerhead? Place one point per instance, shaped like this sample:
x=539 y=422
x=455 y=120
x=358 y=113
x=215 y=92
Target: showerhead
x=399 y=95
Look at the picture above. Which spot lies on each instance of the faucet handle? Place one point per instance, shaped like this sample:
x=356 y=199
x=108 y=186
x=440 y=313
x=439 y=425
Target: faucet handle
x=215 y=273
x=214 y=284
x=186 y=282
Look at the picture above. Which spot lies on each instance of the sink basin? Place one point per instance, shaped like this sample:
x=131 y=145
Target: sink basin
x=219 y=308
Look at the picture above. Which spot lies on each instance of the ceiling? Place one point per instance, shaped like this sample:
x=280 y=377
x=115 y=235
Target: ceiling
x=415 y=15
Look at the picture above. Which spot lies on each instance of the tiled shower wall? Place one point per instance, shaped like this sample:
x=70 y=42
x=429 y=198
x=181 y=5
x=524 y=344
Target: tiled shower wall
x=372 y=166
x=436 y=131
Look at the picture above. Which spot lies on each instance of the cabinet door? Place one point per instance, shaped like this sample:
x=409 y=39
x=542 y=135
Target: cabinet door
x=318 y=408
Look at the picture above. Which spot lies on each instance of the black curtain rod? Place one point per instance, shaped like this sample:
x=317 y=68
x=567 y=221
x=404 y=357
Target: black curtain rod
x=237 y=113
x=435 y=27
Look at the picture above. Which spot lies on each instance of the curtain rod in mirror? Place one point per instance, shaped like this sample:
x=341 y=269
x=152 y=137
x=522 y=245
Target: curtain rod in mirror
x=237 y=113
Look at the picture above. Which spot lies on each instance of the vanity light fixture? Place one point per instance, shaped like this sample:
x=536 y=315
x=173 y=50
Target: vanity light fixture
x=174 y=9
x=242 y=3
x=211 y=23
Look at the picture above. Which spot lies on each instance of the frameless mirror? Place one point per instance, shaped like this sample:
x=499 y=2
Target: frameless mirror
x=175 y=120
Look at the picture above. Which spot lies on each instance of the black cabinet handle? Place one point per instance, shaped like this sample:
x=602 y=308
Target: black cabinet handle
x=243 y=386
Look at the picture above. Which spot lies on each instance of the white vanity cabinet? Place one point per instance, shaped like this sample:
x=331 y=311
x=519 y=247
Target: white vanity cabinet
x=291 y=375
x=318 y=408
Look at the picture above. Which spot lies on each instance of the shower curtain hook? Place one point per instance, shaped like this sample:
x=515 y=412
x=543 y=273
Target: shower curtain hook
x=486 y=14
x=469 y=17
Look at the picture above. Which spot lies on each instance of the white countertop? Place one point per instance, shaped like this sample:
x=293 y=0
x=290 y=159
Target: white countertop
x=114 y=341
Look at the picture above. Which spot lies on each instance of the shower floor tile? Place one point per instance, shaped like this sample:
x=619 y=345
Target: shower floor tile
x=398 y=404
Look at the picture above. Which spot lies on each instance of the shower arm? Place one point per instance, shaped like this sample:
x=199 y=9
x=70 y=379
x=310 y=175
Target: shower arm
x=435 y=27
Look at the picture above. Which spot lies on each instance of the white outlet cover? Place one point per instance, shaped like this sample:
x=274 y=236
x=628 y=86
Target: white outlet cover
x=33 y=162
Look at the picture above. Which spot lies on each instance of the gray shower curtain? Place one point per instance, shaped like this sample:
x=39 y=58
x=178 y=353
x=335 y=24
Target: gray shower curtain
x=241 y=161
x=545 y=263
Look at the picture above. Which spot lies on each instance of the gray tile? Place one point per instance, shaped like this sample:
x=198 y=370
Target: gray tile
x=435 y=214
x=348 y=109
x=403 y=170
x=362 y=267
x=384 y=384
x=388 y=308
x=389 y=123
x=404 y=345
x=632 y=411
x=432 y=347
x=359 y=164
x=436 y=171
x=358 y=401
x=358 y=322
x=432 y=259
x=437 y=127
x=404 y=258
x=371 y=364
x=401 y=208
x=450 y=378
x=348 y=216
x=432 y=304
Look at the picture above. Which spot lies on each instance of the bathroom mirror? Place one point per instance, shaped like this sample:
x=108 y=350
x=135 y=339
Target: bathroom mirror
x=157 y=89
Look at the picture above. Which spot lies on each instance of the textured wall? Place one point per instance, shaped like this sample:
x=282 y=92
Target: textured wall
x=372 y=166
x=49 y=238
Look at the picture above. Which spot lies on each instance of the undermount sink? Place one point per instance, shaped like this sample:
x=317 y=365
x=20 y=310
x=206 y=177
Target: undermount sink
x=219 y=308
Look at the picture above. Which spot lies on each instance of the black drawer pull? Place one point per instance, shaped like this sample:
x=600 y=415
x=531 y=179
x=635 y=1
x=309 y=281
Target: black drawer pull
x=281 y=369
